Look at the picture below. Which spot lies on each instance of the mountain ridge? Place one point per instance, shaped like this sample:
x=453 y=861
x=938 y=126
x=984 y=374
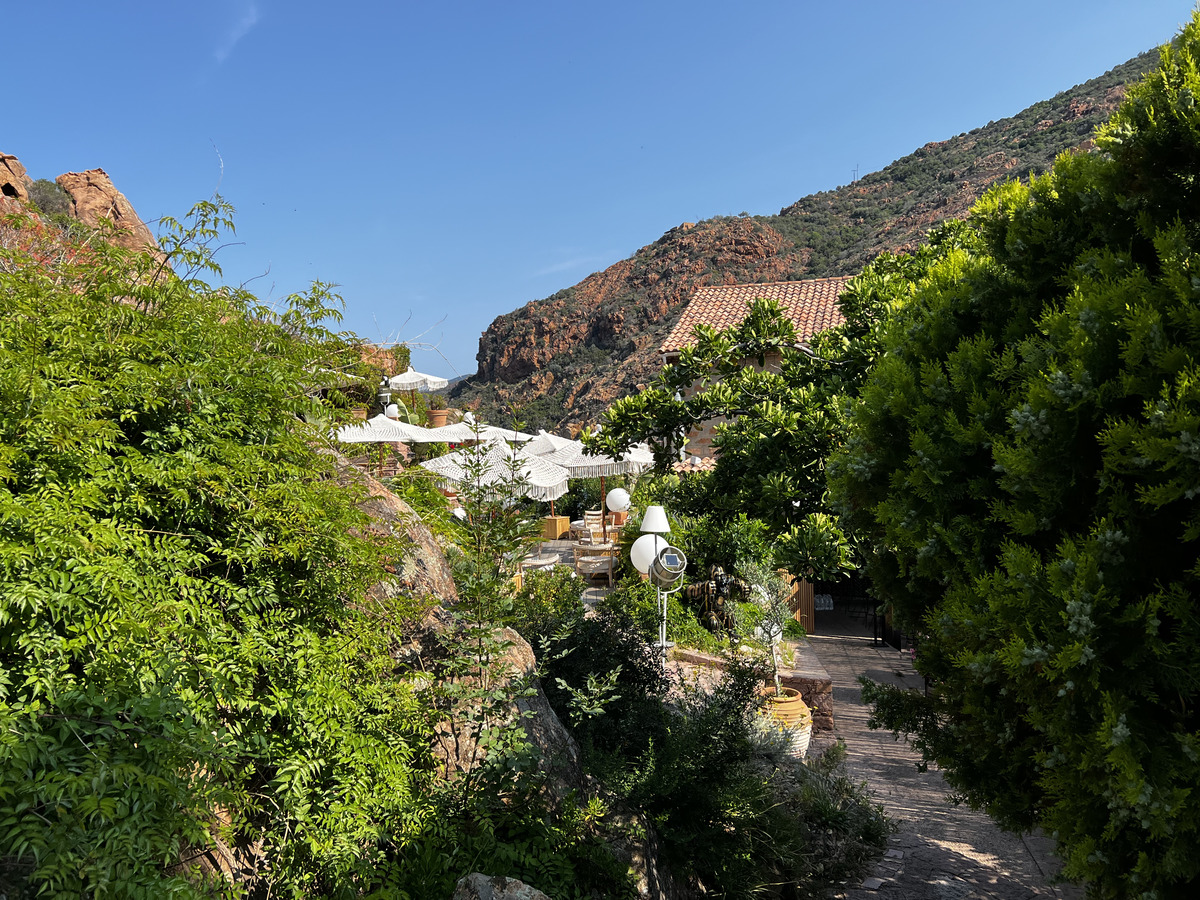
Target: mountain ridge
x=561 y=360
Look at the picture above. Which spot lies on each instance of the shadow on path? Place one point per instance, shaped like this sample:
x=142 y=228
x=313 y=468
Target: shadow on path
x=941 y=851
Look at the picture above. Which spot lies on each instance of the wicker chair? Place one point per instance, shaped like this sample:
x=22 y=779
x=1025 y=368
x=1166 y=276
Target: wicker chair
x=592 y=561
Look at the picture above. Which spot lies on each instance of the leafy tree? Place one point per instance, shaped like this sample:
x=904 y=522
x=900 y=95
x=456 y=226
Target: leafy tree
x=1024 y=457
x=782 y=402
x=187 y=659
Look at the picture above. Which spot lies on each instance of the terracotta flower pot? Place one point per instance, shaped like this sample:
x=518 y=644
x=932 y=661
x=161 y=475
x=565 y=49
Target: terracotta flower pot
x=790 y=709
x=437 y=417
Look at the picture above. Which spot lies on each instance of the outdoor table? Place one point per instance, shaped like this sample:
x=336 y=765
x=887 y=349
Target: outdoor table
x=543 y=561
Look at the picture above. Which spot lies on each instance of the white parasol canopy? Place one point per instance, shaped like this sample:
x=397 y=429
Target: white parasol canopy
x=539 y=479
x=544 y=442
x=487 y=432
x=581 y=464
x=412 y=380
x=381 y=428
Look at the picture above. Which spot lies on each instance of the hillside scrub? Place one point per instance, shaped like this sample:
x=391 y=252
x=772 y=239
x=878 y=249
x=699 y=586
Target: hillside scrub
x=1023 y=461
x=187 y=660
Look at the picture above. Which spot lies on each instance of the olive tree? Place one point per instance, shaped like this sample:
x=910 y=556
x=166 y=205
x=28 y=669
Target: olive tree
x=1025 y=459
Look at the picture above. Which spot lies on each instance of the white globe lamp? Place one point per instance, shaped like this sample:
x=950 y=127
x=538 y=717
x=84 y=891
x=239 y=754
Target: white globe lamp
x=645 y=550
x=617 y=500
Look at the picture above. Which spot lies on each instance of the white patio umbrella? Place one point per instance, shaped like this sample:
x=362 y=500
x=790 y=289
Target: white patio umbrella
x=381 y=428
x=544 y=442
x=539 y=479
x=487 y=432
x=580 y=464
x=412 y=380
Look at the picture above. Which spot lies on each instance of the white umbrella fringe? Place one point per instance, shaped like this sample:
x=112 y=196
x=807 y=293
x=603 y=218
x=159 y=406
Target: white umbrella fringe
x=494 y=464
x=412 y=380
x=382 y=429
x=581 y=464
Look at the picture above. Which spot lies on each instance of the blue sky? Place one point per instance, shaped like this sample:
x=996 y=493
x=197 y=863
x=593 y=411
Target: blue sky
x=448 y=162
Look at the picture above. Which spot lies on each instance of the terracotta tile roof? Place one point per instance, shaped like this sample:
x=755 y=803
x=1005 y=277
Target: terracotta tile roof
x=694 y=464
x=811 y=305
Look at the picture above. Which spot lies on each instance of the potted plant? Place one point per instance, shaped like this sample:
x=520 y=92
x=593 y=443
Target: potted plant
x=784 y=704
x=436 y=411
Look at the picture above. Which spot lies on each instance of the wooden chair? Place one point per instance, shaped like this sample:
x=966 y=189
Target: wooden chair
x=591 y=561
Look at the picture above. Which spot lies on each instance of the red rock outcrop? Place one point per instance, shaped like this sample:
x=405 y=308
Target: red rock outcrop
x=14 y=185
x=621 y=315
x=94 y=199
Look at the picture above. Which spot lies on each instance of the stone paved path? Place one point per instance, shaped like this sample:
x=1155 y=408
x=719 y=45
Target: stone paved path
x=941 y=852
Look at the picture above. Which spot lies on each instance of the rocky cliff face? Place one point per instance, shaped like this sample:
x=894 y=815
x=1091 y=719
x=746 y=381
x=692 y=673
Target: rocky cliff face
x=584 y=347
x=563 y=359
x=94 y=200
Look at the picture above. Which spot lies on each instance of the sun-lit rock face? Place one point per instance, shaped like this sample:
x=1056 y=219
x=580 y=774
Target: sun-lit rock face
x=95 y=199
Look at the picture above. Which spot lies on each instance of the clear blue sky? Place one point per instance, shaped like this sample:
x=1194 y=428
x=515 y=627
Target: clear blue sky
x=446 y=162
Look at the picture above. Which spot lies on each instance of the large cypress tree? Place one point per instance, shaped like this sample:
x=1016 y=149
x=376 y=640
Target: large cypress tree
x=1025 y=457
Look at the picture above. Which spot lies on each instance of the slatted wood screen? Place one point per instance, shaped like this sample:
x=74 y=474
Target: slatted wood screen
x=801 y=602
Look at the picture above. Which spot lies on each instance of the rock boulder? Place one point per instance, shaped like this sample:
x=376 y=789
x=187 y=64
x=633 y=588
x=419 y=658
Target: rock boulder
x=486 y=887
x=94 y=199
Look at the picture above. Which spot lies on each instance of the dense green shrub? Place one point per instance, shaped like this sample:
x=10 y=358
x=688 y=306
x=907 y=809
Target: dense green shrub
x=729 y=820
x=639 y=601
x=1024 y=457
x=631 y=718
x=49 y=199
x=508 y=830
x=547 y=600
x=182 y=638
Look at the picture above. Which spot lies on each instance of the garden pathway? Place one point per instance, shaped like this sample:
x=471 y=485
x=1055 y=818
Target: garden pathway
x=941 y=851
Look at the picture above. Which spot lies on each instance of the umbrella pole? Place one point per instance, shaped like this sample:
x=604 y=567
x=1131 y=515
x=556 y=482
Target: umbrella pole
x=603 y=514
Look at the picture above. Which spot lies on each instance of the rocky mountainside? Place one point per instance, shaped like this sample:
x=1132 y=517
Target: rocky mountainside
x=560 y=361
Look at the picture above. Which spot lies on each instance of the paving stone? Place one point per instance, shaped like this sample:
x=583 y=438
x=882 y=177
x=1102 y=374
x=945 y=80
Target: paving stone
x=941 y=851
x=873 y=884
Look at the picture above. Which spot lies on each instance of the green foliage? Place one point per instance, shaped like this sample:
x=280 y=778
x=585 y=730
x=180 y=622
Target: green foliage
x=548 y=599
x=509 y=831
x=639 y=600
x=182 y=638
x=733 y=543
x=1023 y=458
x=419 y=489
x=689 y=760
x=783 y=421
x=49 y=199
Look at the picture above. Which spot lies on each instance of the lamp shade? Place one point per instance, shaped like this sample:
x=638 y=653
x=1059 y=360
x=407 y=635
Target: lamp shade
x=645 y=550
x=655 y=520
x=392 y=411
x=617 y=500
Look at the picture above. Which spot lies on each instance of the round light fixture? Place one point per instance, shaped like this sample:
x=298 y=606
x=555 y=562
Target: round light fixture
x=617 y=500
x=645 y=550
